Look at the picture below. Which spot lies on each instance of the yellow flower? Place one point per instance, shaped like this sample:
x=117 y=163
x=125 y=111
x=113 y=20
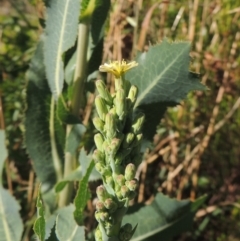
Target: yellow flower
x=117 y=68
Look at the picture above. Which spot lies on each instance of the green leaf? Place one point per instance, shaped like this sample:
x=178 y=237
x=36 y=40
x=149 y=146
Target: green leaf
x=3 y=152
x=42 y=127
x=163 y=219
x=66 y=227
x=84 y=161
x=39 y=224
x=11 y=226
x=74 y=176
x=82 y=196
x=74 y=138
x=61 y=33
x=163 y=79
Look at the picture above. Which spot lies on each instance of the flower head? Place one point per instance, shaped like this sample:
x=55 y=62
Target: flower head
x=117 y=68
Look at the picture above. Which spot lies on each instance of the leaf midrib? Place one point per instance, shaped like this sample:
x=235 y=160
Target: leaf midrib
x=155 y=81
x=59 y=51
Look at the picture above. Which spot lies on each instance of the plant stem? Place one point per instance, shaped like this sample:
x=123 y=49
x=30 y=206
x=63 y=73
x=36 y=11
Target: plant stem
x=77 y=103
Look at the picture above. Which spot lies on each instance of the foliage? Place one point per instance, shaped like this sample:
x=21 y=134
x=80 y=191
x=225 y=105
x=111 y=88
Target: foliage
x=56 y=135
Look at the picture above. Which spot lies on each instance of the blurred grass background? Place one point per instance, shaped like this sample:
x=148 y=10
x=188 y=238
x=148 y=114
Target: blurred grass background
x=197 y=146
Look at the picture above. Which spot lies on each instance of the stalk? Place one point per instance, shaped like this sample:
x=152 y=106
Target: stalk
x=77 y=102
x=118 y=152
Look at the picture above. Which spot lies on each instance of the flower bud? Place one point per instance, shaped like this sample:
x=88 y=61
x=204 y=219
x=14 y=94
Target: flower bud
x=132 y=184
x=100 y=206
x=114 y=146
x=110 y=125
x=101 y=107
x=132 y=195
x=120 y=180
x=100 y=167
x=104 y=216
x=110 y=204
x=98 y=156
x=98 y=139
x=127 y=228
x=138 y=123
x=128 y=138
x=98 y=234
x=137 y=140
x=98 y=123
x=130 y=171
x=120 y=103
x=109 y=181
x=119 y=158
x=132 y=95
x=102 y=193
x=103 y=91
x=125 y=191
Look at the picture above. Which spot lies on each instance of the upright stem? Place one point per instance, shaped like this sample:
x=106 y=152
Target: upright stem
x=76 y=103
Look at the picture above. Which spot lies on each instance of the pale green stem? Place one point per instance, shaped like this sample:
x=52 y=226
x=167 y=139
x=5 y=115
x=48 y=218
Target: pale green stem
x=77 y=103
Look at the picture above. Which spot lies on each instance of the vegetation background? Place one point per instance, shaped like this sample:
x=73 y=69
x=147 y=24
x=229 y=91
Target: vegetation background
x=196 y=148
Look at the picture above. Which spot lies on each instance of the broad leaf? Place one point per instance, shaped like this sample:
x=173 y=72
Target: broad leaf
x=84 y=161
x=3 y=152
x=43 y=141
x=163 y=219
x=82 y=196
x=74 y=138
x=39 y=224
x=11 y=226
x=74 y=176
x=61 y=33
x=66 y=227
x=163 y=79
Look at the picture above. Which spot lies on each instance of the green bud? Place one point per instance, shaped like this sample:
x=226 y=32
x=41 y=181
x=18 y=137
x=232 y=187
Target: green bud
x=128 y=138
x=103 y=91
x=125 y=233
x=114 y=146
x=125 y=191
x=119 y=158
x=120 y=103
x=113 y=111
x=101 y=107
x=119 y=180
x=98 y=139
x=132 y=184
x=100 y=167
x=137 y=140
x=110 y=126
x=97 y=216
x=98 y=234
x=138 y=123
x=102 y=193
x=119 y=194
x=109 y=228
x=98 y=156
x=132 y=95
x=110 y=204
x=98 y=123
x=132 y=195
x=130 y=171
x=100 y=206
x=109 y=180
x=104 y=216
